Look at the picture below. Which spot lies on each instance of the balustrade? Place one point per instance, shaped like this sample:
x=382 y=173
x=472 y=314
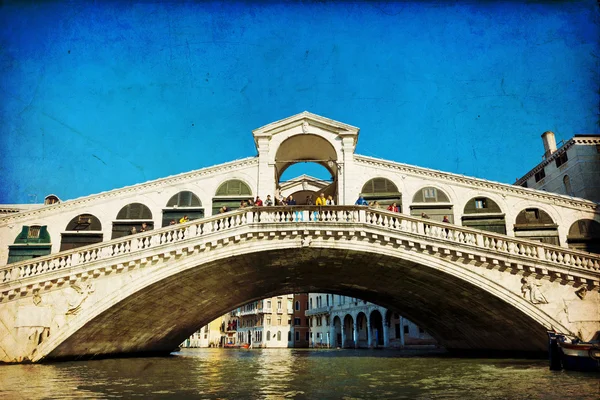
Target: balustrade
x=333 y=215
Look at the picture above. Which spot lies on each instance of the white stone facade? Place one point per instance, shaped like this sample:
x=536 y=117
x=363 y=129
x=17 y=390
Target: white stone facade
x=50 y=305
x=573 y=169
x=372 y=325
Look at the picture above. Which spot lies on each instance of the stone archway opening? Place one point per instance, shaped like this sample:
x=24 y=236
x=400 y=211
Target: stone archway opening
x=305 y=166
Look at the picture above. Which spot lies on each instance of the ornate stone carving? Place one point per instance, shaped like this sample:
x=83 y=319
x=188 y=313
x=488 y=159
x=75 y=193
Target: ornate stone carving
x=77 y=297
x=37 y=299
x=306 y=241
x=305 y=127
x=531 y=290
x=581 y=292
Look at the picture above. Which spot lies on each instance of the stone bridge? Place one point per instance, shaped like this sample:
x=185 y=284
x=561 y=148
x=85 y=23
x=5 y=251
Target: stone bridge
x=147 y=292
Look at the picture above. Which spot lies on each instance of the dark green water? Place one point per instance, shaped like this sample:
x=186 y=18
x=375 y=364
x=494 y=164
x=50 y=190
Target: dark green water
x=296 y=374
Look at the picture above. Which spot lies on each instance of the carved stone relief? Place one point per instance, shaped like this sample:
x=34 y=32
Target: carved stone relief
x=77 y=296
x=531 y=291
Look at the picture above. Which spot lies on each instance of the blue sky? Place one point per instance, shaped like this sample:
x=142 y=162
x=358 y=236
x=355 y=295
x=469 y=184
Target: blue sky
x=104 y=95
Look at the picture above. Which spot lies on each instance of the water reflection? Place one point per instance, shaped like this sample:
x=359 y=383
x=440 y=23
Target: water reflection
x=295 y=373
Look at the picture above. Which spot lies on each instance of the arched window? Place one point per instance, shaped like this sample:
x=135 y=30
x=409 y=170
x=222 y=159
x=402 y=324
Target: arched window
x=32 y=242
x=297 y=305
x=135 y=211
x=132 y=216
x=230 y=194
x=51 y=199
x=268 y=335
x=483 y=213
x=584 y=234
x=567 y=184
x=432 y=202
x=182 y=204
x=536 y=224
x=279 y=335
x=383 y=191
x=83 y=230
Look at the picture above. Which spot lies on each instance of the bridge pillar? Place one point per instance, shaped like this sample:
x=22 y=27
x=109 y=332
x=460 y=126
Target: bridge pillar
x=386 y=334
x=402 y=332
x=355 y=326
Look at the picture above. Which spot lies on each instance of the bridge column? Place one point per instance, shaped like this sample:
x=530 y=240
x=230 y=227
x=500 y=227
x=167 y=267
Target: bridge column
x=266 y=171
x=343 y=335
x=402 y=332
x=386 y=334
x=355 y=325
x=332 y=338
x=369 y=332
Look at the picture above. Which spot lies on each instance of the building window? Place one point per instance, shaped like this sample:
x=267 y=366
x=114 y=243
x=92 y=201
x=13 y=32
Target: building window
x=278 y=320
x=406 y=329
x=541 y=174
x=307 y=336
x=268 y=320
x=296 y=321
x=34 y=232
x=268 y=303
x=567 y=183
x=279 y=304
x=480 y=203
x=279 y=335
x=430 y=193
x=532 y=214
x=289 y=336
x=297 y=305
x=297 y=336
x=318 y=335
x=561 y=159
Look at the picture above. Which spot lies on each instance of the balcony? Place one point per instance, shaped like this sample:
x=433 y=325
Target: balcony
x=318 y=310
x=280 y=311
x=266 y=310
x=248 y=312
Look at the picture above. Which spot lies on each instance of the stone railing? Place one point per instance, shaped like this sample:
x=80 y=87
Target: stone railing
x=356 y=217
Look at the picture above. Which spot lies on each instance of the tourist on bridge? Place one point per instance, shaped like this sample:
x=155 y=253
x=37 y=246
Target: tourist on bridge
x=184 y=219
x=393 y=207
x=361 y=201
x=321 y=201
x=268 y=201
x=330 y=201
x=258 y=202
x=145 y=227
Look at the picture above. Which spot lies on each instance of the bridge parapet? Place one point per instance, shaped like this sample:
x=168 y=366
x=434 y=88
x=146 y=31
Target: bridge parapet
x=148 y=246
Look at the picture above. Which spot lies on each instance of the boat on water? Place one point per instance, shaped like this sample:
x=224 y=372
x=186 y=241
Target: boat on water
x=570 y=353
x=236 y=346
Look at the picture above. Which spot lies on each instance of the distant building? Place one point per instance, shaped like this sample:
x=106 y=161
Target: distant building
x=208 y=336
x=300 y=327
x=342 y=321
x=266 y=323
x=572 y=169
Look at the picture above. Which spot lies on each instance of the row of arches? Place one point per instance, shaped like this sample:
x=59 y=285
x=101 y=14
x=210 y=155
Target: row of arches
x=479 y=212
x=484 y=213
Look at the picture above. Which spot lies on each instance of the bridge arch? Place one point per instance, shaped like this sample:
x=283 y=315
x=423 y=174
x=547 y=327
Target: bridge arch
x=180 y=204
x=494 y=316
x=383 y=190
x=230 y=193
x=305 y=147
x=82 y=230
x=130 y=216
x=481 y=212
x=536 y=224
x=584 y=234
x=433 y=201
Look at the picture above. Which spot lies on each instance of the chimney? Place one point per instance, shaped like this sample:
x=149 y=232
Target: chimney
x=549 y=143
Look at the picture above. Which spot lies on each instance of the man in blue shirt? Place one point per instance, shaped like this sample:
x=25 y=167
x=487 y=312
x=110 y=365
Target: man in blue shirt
x=361 y=201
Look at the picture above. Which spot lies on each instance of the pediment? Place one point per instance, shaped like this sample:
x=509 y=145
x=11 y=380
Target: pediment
x=306 y=121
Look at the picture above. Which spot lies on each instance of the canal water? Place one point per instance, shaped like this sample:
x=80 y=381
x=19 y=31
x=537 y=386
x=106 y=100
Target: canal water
x=296 y=374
